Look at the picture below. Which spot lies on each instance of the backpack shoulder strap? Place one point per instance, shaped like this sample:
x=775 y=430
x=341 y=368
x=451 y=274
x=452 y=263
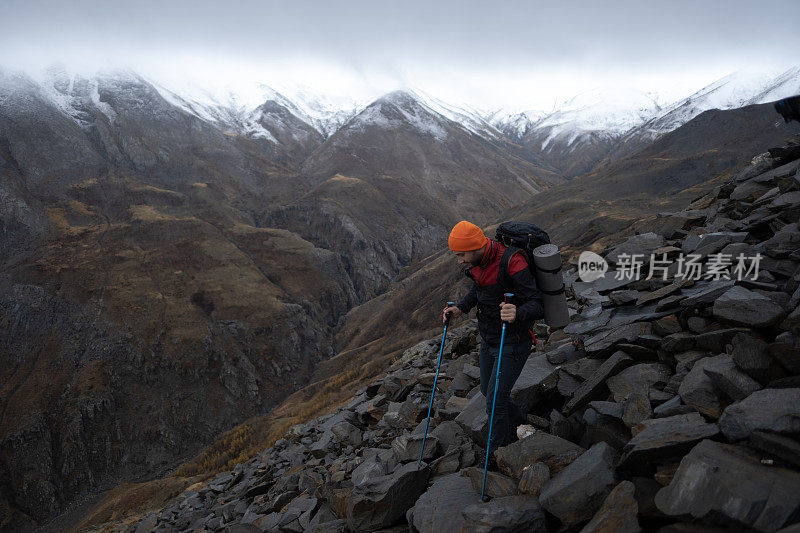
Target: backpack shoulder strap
x=503 y=276
x=468 y=273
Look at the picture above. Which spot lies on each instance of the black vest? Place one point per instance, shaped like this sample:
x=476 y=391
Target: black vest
x=490 y=297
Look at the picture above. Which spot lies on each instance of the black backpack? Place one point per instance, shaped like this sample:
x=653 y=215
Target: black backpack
x=518 y=237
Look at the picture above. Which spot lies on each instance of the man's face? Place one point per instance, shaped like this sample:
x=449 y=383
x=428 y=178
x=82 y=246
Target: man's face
x=471 y=258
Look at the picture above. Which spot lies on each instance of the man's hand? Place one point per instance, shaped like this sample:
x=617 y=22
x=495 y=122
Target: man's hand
x=453 y=311
x=508 y=312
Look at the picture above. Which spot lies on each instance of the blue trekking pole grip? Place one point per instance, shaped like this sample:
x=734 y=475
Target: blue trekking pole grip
x=507 y=296
x=435 y=379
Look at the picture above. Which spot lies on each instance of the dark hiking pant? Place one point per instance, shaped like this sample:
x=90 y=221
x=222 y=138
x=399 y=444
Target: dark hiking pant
x=507 y=415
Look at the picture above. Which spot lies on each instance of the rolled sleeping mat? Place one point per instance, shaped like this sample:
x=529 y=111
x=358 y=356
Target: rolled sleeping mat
x=547 y=260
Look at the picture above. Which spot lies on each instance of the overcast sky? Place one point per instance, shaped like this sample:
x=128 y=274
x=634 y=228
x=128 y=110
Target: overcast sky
x=474 y=51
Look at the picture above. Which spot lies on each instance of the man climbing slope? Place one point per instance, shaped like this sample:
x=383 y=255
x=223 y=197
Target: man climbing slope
x=483 y=257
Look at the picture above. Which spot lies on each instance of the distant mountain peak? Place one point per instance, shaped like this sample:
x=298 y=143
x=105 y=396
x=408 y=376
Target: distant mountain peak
x=397 y=109
x=399 y=97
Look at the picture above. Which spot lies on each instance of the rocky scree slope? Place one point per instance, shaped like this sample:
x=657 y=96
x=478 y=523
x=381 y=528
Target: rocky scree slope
x=668 y=405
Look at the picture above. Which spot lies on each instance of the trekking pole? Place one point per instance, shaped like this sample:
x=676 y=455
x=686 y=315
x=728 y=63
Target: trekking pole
x=507 y=296
x=435 y=379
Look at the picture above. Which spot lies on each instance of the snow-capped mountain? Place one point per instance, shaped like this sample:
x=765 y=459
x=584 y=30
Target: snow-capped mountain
x=598 y=110
x=513 y=123
x=618 y=112
x=238 y=107
x=461 y=113
x=604 y=123
x=70 y=93
x=735 y=90
x=569 y=139
x=572 y=137
x=396 y=110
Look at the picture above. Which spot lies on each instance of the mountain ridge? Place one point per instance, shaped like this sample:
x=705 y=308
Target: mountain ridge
x=584 y=121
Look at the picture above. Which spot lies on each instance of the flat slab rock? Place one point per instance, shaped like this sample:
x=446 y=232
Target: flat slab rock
x=577 y=492
x=698 y=390
x=512 y=513
x=474 y=420
x=595 y=385
x=618 y=513
x=537 y=376
x=665 y=437
x=384 y=500
x=638 y=378
x=541 y=447
x=440 y=508
x=605 y=340
x=719 y=484
x=743 y=307
x=644 y=244
x=774 y=410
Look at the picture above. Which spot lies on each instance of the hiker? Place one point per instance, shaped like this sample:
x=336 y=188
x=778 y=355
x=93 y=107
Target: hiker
x=483 y=256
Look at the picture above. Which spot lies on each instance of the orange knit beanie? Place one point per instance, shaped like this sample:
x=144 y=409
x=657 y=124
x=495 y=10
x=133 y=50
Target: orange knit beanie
x=466 y=237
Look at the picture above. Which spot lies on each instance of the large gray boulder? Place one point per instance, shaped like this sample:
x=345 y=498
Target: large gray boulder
x=719 y=484
x=751 y=356
x=743 y=307
x=666 y=437
x=449 y=433
x=538 y=375
x=595 y=385
x=642 y=245
x=774 y=410
x=347 y=433
x=725 y=376
x=698 y=390
x=408 y=447
x=474 y=419
x=381 y=463
x=638 y=379
x=577 y=492
x=787 y=239
x=534 y=478
x=439 y=510
x=618 y=513
x=512 y=513
x=541 y=447
x=383 y=501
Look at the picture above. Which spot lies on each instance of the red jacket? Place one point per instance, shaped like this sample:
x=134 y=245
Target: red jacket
x=487 y=293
